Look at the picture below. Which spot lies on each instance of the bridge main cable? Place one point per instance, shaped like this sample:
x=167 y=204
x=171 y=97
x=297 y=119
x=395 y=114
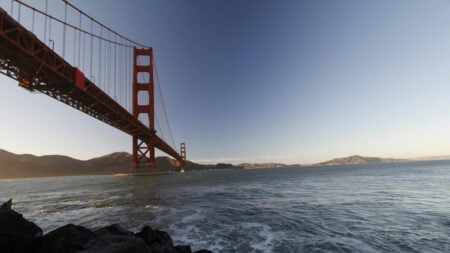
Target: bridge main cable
x=130 y=45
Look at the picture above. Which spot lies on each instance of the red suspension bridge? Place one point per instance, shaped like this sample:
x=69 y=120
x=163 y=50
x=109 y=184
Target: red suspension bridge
x=73 y=58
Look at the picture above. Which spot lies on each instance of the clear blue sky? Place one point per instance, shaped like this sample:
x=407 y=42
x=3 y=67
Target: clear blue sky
x=257 y=81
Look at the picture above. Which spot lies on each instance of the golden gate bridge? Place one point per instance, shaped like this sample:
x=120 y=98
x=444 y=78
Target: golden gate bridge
x=70 y=56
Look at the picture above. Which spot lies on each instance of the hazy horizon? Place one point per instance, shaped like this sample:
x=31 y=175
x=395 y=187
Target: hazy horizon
x=423 y=158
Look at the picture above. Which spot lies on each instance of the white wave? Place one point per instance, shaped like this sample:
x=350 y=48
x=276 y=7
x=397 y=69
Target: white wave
x=266 y=238
x=196 y=216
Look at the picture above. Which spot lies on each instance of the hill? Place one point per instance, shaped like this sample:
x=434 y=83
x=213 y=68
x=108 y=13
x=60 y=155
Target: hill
x=432 y=158
x=26 y=165
x=355 y=159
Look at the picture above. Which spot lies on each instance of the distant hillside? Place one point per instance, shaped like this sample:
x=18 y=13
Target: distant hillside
x=261 y=165
x=21 y=166
x=432 y=158
x=358 y=160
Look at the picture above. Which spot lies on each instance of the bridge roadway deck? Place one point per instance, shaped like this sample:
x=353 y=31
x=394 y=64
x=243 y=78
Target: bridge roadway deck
x=28 y=60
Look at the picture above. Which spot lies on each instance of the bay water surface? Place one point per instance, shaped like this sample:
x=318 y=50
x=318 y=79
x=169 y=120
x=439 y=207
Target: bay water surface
x=403 y=207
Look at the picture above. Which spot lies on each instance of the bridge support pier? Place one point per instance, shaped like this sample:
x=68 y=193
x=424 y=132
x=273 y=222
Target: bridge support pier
x=143 y=159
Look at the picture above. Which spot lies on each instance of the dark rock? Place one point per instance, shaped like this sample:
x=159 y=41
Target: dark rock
x=183 y=249
x=159 y=248
x=12 y=223
x=114 y=229
x=163 y=238
x=158 y=241
x=6 y=206
x=147 y=234
x=69 y=238
x=16 y=233
x=203 y=251
x=115 y=239
x=117 y=244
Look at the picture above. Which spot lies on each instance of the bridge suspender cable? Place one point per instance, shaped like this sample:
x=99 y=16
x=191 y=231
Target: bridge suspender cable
x=80 y=36
x=163 y=104
x=83 y=45
x=135 y=44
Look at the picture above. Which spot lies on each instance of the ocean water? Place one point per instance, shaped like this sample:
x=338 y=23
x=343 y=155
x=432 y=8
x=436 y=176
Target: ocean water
x=366 y=208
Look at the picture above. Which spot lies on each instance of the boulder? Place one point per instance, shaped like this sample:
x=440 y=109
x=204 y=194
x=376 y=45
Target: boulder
x=159 y=248
x=183 y=249
x=16 y=233
x=6 y=206
x=115 y=239
x=120 y=244
x=147 y=234
x=163 y=238
x=158 y=241
x=114 y=229
x=69 y=238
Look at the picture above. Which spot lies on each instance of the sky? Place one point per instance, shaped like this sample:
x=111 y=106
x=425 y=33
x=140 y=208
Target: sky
x=298 y=81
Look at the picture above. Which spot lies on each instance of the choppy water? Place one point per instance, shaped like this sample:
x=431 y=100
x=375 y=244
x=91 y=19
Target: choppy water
x=368 y=208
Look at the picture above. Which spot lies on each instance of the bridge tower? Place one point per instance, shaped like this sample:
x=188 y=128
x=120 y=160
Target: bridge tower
x=143 y=159
x=183 y=151
x=183 y=156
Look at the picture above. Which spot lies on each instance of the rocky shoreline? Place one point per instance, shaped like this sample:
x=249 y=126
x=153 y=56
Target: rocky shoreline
x=20 y=235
